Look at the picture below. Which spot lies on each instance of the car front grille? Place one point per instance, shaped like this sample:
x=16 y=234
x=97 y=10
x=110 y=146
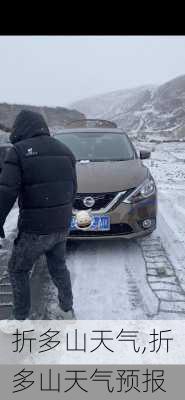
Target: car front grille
x=101 y=200
x=115 y=229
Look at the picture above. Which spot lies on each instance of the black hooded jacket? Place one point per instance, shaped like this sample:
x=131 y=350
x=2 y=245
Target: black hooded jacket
x=40 y=171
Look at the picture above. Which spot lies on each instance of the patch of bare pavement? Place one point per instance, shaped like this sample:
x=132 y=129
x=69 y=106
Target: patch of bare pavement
x=163 y=279
x=5 y=287
x=5 y=249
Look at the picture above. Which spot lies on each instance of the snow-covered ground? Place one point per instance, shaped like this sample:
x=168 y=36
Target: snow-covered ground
x=136 y=279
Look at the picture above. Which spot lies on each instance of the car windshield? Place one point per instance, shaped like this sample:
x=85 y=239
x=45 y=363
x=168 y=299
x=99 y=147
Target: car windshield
x=98 y=146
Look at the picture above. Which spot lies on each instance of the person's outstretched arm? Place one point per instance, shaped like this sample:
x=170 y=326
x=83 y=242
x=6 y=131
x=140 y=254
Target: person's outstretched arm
x=10 y=182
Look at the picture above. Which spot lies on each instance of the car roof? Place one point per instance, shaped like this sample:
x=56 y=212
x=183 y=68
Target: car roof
x=90 y=130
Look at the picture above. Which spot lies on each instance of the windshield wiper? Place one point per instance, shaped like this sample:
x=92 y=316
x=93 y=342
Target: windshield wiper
x=116 y=159
x=103 y=160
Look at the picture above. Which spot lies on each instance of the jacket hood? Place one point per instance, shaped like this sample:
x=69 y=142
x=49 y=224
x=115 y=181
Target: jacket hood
x=27 y=125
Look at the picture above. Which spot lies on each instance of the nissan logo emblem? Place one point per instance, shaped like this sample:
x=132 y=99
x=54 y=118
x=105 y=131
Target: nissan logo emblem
x=88 y=201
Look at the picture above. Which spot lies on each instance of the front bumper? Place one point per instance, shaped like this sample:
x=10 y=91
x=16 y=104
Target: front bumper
x=126 y=221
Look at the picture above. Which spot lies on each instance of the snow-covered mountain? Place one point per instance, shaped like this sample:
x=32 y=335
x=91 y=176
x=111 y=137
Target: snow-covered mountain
x=145 y=112
x=55 y=117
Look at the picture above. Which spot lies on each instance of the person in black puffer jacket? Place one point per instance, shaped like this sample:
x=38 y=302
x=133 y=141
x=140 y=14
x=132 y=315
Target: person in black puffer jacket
x=41 y=172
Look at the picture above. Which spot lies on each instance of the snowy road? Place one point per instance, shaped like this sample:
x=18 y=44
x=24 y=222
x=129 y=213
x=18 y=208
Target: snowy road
x=136 y=279
x=109 y=281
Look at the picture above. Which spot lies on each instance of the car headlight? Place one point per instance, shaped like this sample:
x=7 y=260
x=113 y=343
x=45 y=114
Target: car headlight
x=146 y=189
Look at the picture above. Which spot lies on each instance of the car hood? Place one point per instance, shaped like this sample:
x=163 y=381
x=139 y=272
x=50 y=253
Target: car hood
x=110 y=176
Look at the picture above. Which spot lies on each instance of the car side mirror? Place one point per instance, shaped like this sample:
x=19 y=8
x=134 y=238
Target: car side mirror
x=144 y=154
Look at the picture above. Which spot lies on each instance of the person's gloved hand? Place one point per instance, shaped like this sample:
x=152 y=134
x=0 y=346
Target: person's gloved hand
x=2 y=234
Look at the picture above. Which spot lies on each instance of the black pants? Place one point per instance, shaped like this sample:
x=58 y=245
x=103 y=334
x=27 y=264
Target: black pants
x=27 y=249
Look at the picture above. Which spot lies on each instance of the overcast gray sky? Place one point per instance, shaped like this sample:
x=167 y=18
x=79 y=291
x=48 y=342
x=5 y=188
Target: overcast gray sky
x=58 y=70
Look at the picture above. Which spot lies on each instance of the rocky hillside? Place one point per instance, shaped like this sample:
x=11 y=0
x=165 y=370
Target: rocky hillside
x=147 y=112
x=55 y=117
